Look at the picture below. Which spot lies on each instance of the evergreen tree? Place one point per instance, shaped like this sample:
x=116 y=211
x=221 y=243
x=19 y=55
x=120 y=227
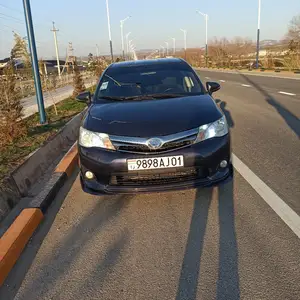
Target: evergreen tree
x=20 y=51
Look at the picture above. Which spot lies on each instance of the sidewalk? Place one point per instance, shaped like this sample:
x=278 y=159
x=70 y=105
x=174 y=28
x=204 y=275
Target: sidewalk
x=30 y=103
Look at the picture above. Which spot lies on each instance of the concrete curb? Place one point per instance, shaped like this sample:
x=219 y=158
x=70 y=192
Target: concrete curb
x=20 y=231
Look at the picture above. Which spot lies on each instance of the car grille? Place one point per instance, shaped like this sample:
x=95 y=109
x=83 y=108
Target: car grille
x=170 y=142
x=151 y=179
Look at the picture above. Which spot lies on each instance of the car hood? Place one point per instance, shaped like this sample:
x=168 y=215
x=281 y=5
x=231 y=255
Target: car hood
x=149 y=118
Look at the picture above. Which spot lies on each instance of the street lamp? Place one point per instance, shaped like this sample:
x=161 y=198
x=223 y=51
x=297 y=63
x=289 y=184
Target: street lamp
x=35 y=63
x=97 y=50
x=163 y=50
x=174 y=45
x=167 y=48
x=184 y=36
x=206 y=47
x=109 y=32
x=258 y=34
x=127 y=45
x=122 y=34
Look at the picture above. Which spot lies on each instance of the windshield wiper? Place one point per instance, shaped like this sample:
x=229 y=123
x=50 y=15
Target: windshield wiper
x=142 y=97
x=112 y=98
x=162 y=96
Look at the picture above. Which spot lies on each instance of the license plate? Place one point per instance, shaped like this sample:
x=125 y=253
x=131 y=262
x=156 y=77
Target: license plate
x=155 y=163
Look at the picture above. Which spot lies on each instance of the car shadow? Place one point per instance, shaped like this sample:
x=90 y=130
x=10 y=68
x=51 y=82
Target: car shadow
x=226 y=112
x=227 y=285
x=66 y=252
x=291 y=120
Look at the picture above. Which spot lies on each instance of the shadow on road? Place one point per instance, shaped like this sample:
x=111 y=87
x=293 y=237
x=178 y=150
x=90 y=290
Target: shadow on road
x=226 y=112
x=19 y=271
x=227 y=285
x=67 y=251
x=291 y=120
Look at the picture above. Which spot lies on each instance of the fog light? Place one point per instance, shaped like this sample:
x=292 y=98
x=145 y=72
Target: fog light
x=89 y=175
x=223 y=164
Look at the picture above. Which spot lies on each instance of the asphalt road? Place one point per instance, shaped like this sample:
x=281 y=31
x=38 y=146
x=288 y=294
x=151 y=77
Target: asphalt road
x=220 y=243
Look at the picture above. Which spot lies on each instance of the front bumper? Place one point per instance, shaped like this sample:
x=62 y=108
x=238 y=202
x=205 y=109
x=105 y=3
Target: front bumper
x=110 y=169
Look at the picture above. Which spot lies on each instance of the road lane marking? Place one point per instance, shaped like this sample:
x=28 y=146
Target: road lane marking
x=222 y=81
x=207 y=78
x=250 y=74
x=246 y=85
x=285 y=93
x=271 y=198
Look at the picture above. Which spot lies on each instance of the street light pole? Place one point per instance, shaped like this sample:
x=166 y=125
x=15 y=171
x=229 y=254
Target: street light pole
x=184 y=36
x=34 y=60
x=174 y=45
x=109 y=31
x=163 y=50
x=127 y=46
x=258 y=35
x=206 y=42
x=167 y=48
x=97 y=50
x=122 y=34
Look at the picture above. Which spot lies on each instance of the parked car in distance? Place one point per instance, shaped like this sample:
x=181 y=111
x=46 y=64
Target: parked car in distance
x=152 y=126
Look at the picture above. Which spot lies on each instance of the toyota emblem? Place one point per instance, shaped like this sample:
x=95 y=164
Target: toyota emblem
x=154 y=143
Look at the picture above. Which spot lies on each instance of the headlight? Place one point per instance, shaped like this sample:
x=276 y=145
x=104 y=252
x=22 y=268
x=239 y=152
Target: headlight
x=215 y=129
x=91 y=139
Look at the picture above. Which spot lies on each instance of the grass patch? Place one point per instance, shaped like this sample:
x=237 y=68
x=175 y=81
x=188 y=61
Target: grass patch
x=14 y=154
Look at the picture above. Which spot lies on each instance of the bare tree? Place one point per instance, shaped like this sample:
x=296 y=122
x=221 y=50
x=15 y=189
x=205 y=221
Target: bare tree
x=294 y=29
x=78 y=82
x=11 y=110
x=292 y=60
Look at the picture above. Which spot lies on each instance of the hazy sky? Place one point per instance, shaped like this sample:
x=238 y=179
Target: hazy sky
x=152 y=23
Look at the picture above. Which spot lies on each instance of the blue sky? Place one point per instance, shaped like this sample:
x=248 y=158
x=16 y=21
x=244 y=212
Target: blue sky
x=152 y=23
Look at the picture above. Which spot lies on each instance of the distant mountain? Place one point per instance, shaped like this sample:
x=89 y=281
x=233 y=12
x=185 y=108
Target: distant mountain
x=265 y=43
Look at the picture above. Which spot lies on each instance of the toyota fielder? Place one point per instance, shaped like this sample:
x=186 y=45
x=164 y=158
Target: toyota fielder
x=152 y=126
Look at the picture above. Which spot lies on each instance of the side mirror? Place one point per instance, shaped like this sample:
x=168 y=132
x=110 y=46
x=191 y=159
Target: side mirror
x=212 y=87
x=84 y=97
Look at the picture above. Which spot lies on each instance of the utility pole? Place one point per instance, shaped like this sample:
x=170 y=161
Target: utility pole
x=34 y=60
x=258 y=34
x=109 y=32
x=54 y=30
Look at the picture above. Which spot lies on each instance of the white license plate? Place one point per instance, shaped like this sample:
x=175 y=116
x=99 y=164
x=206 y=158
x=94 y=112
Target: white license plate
x=155 y=163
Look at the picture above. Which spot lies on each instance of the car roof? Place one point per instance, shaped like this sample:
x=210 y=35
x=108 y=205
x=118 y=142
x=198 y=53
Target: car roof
x=149 y=62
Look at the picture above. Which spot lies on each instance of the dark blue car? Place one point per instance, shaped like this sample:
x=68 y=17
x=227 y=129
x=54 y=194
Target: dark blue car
x=152 y=126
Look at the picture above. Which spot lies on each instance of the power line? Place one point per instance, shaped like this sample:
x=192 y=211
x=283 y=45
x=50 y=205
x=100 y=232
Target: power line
x=8 y=16
x=14 y=9
x=8 y=27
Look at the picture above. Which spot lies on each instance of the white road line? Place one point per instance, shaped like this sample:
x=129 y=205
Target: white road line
x=246 y=85
x=222 y=81
x=273 y=200
x=285 y=93
x=250 y=74
x=207 y=78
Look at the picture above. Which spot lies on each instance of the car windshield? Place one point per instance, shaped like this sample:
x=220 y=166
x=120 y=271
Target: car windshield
x=145 y=83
